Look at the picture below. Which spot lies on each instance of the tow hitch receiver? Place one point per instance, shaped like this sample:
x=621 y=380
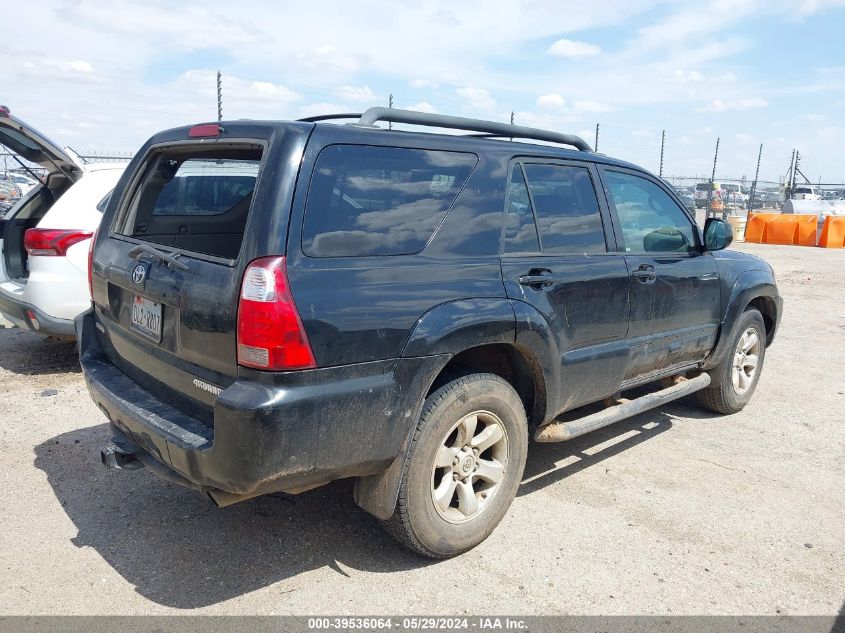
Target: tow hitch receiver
x=121 y=457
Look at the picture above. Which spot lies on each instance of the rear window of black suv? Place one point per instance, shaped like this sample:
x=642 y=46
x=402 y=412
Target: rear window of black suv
x=194 y=198
x=368 y=201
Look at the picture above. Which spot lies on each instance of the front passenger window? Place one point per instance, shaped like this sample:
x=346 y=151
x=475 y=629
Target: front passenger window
x=651 y=221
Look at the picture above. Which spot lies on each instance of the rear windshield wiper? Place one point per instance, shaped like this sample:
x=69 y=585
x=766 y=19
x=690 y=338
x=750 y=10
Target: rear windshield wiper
x=138 y=253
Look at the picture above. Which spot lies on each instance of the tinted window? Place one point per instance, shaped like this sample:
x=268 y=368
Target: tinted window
x=194 y=198
x=650 y=220
x=566 y=209
x=207 y=187
x=520 y=229
x=379 y=200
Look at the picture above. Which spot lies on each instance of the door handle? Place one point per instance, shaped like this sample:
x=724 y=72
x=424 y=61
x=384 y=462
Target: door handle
x=645 y=274
x=537 y=279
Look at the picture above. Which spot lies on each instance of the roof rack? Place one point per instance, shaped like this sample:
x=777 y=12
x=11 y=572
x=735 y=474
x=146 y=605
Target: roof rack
x=329 y=117
x=492 y=128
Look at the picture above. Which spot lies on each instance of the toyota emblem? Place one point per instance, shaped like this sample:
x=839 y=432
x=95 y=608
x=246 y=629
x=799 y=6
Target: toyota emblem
x=138 y=273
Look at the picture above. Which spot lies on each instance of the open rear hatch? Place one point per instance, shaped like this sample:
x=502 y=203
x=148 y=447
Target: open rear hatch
x=168 y=276
x=63 y=169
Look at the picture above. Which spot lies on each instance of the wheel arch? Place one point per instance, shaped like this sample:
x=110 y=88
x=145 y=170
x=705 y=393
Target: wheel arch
x=467 y=336
x=753 y=288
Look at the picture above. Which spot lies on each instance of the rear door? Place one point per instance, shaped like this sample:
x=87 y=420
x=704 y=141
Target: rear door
x=35 y=147
x=210 y=207
x=559 y=256
x=674 y=285
x=63 y=169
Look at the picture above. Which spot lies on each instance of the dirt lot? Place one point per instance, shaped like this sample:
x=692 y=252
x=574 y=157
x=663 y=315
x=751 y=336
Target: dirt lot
x=676 y=511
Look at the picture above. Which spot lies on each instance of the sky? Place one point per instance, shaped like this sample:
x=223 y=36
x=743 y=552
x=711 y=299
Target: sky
x=104 y=77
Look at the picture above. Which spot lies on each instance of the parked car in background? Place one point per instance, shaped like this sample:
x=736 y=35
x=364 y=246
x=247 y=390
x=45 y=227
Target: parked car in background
x=689 y=202
x=9 y=191
x=44 y=238
x=805 y=192
x=700 y=194
x=24 y=183
x=280 y=304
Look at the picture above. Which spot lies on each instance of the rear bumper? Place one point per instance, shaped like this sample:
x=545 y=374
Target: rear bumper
x=17 y=312
x=271 y=432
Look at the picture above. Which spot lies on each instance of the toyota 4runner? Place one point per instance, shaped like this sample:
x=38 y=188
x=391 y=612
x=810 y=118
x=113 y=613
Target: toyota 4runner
x=277 y=305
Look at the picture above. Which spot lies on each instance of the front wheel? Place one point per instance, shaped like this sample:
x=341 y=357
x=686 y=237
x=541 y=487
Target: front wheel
x=463 y=467
x=735 y=379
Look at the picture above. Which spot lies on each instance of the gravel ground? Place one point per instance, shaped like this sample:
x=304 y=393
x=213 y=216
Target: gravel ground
x=676 y=511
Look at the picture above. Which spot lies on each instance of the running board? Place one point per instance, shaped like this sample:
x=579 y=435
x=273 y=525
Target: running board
x=561 y=431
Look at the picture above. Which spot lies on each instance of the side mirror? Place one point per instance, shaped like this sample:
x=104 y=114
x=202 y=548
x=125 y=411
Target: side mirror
x=718 y=234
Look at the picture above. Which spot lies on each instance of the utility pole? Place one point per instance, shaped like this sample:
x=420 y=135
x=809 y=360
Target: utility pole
x=390 y=105
x=788 y=181
x=756 y=176
x=794 y=172
x=596 y=144
x=712 y=179
x=219 y=96
x=662 y=147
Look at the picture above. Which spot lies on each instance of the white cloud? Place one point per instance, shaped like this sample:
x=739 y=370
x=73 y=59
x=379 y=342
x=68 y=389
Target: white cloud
x=551 y=101
x=60 y=69
x=813 y=118
x=423 y=106
x=743 y=137
x=330 y=58
x=423 y=83
x=184 y=28
x=683 y=76
x=725 y=105
x=573 y=49
x=361 y=94
x=476 y=98
x=592 y=106
x=242 y=98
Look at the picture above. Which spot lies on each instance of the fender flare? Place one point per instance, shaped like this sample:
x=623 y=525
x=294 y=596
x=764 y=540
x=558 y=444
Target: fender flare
x=749 y=285
x=440 y=334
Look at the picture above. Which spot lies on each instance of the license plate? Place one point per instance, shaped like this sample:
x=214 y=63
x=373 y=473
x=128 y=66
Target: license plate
x=146 y=317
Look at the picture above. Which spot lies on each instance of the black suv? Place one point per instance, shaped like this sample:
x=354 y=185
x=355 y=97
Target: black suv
x=277 y=305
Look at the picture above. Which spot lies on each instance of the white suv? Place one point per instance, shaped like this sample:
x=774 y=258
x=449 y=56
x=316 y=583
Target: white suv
x=44 y=239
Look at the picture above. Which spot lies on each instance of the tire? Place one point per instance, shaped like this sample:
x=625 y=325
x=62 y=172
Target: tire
x=490 y=475
x=728 y=391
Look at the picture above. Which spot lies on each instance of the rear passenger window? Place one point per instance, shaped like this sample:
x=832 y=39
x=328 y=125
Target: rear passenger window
x=366 y=200
x=520 y=228
x=566 y=208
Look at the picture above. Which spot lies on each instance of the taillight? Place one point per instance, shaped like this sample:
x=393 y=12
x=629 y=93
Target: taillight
x=91 y=265
x=52 y=242
x=270 y=332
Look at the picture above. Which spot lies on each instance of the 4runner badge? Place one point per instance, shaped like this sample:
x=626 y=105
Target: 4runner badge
x=138 y=273
x=201 y=384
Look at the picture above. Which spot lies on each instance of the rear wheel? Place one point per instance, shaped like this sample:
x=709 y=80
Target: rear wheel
x=463 y=467
x=735 y=379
